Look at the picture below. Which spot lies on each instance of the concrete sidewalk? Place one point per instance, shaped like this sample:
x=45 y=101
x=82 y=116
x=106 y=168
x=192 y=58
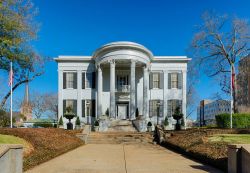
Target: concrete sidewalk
x=120 y=158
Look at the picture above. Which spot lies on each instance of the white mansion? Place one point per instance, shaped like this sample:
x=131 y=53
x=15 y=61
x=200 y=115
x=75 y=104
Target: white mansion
x=122 y=80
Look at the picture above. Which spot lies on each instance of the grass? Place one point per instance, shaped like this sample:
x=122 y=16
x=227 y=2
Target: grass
x=9 y=139
x=231 y=138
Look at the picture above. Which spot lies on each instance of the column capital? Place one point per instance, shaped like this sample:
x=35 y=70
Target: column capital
x=165 y=71
x=112 y=61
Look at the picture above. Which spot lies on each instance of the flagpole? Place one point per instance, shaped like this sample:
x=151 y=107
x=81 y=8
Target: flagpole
x=11 y=125
x=231 y=98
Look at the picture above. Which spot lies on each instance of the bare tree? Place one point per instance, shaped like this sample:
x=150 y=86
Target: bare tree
x=221 y=41
x=50 y=101
x=38 y=104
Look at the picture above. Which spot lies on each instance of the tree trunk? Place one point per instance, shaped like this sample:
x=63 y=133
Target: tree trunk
x=235 y=110
x=8 y=94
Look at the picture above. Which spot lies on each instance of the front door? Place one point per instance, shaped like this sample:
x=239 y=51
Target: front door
x=122 y=111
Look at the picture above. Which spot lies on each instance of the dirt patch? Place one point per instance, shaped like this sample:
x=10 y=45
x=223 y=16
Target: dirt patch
x=47 y=142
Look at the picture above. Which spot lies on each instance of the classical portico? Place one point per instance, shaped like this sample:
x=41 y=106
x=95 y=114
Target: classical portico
x=118 y=57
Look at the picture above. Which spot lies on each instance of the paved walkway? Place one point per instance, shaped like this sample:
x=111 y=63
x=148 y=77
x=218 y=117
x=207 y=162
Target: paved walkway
x=120 y=158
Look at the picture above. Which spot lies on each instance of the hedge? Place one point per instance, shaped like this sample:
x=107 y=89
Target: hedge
x=45 y=125
x=240 y=120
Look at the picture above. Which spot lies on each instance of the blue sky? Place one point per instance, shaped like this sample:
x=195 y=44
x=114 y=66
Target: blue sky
x=78 y=27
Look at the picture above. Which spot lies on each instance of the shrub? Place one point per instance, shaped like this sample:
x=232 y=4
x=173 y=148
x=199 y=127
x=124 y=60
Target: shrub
x=96 y=123
x=239 y=120
x=137 y=113
x=166 y=123
x=107 y=112
x=45 y=125
x=78 y=122
x=60 y=121
x=149 y=124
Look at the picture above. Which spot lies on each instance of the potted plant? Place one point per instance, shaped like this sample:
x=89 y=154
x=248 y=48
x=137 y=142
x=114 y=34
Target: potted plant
x=177 y=116
x=137 y=113
x=96 y=126
x=60 y=124
x=78 y=123
x=166 y=124
x=69 y=115
x=149 y=126
x=107 y=112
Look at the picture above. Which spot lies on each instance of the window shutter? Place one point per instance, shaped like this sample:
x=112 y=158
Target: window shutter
x=64 y=80
x=169 y=80
x=75 y=81
x=64 y=106
x=93 y=79
x=169 y=108
x=161 y=80
x=93 y=108
x=150 y=80
x=179 y=80
x=75 y=106
x=161 y=108
x=83 y=80
x=83 y=108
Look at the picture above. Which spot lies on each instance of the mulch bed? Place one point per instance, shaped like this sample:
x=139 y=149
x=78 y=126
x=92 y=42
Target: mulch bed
x=194 y=143
x=47 y=142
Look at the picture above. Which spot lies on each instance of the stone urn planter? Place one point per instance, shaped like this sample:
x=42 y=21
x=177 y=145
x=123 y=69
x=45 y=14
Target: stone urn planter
x=69 y=115
x=149 y=126
x=96 y=126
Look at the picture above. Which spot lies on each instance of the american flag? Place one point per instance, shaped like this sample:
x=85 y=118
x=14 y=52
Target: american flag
x=10 y=77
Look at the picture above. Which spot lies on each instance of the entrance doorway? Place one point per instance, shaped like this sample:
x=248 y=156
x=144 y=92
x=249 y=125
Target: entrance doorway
x=122 y=110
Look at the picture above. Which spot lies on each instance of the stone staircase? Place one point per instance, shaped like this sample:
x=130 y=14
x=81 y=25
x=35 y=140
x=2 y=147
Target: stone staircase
x=121 y=126
x=119 y=138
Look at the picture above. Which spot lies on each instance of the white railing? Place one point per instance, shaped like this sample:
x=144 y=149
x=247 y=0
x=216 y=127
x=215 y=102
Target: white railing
x=123 y=88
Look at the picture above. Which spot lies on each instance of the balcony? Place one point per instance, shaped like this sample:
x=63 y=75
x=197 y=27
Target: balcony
x=123 y=88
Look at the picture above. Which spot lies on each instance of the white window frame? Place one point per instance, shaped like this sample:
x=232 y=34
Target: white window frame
x=155 y=81
x=174 y=81
x=68 y=82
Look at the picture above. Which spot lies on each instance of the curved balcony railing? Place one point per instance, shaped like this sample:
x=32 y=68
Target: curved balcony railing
x=123 y=88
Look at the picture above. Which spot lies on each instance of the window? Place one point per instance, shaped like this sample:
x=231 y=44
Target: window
x=69 y=80
x=174 y=80
x=173 y=105
x=70 y=103
x=88 y=108
x=156 y=108
x=156 y=80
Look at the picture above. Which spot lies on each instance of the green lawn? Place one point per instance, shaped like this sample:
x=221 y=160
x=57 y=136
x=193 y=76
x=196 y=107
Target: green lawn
x=231 y=138
x=8 y=139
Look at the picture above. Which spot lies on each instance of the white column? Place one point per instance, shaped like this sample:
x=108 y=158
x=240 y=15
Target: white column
x=60 y=93
x=145 y=92
x=184 y=94
x=99 y=92
x=79 y=93
x=112 y=89
x=132 y=91
x=165 y=93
